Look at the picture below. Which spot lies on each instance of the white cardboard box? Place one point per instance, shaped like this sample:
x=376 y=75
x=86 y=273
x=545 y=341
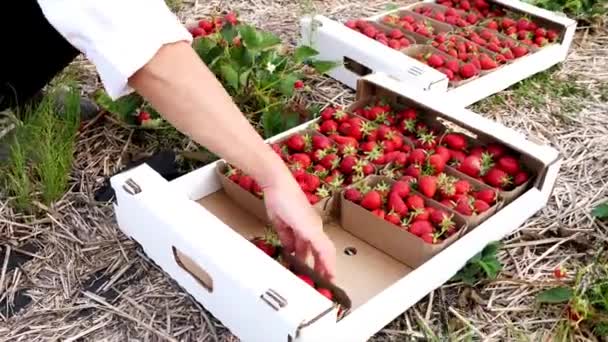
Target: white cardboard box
x=189 y=222
x=362 y=55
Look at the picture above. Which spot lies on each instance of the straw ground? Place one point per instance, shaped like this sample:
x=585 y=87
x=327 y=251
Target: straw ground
x=78 y=278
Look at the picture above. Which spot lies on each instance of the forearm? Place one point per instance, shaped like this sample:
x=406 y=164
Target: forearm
x=179 y=85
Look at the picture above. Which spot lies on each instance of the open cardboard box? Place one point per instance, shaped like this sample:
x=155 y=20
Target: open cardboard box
x=361 y=56
x=194 y=232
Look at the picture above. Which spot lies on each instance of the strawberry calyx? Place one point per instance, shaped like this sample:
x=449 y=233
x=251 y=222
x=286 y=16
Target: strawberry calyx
x=487 y=162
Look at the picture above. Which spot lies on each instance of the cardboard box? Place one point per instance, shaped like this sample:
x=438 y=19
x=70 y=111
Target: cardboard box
x=198 y=235
x=361 y=56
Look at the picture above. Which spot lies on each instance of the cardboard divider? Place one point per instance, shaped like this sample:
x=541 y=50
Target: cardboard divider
x=256 y=205
x=415 y=50
x=355 y=259
x=395 y=241
x=438 y=26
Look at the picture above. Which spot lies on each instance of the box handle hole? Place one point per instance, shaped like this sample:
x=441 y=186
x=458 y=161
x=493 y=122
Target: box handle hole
x=195 y=271
x=350 y=251
x=356 y=67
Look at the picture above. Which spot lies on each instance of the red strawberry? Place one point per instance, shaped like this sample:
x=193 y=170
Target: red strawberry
x=393 y=218
x=428 y=238
x=320 y=142
x=498 y=178
x=492 y=25
x=401 y=188
x=414 y=202
x=453 y=65
x=443 y=152
x=457 y=157
x=487 y=63
x=496 y=150
x=455 y=141
x=487 y=195
x=420 y=228
x=418 y=156
x=246 y=182
x=372 y=200
x=206 y=25
x=328 y=127
x=296 y=142
x=400 y=159
x=379 y=212
x=302 y=159
x=256 y=189
x=428 y=185
x=509 y=164
x=326 y=293
x=508 y=22
x=471 y=166
x=462 y=187
x=306 y=279
x=559 y=273
x=552 y=35
x=448 y=203
x=413 y=170
x=481 y=206
x=437 y=163
x=347 y=164
x=435 y=61
x=330 y=161
x=422 y=214
x=353 y=195
x=265 y=246
x=438 y=216
x=396 y=204
x=468 y=70
x=464 y=207
x=312 y=198
x=519 y=51
x=197 y=32
x=521 y=177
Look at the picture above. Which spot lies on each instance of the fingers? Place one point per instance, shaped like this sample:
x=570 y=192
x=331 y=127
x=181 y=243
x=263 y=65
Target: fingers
x=286 y=236
x=302 y=249
x=324 y=253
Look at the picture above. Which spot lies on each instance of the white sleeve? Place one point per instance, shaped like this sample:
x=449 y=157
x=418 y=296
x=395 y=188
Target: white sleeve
x=118 y=36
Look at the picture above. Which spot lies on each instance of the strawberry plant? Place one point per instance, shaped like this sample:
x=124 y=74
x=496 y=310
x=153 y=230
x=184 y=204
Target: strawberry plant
x=264 y=80
x=484 y=265
x=584 y=10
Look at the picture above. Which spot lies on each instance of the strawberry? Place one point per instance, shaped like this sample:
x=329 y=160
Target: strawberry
x=379 y=212
x=330 y=161
x=347 y=164
x=308 y=182
x=559 y=273
x=453 y=65
x=256 y=189
x=498 y=178
x=353 y=195
x=301 y=159
x=486 y=62
x=143 y=116
x=519 y=51
x=477 y=151
x=428 y=185
x=246 y=182
x=422 y=214
x=444 y=152
x=475 y=165
x=206 y=25
x=393 y=218
x=296 y=143
x=480 y=206
x=400 y=159
x=371 y=200
x=449 y=73
x=508 y=22
x=326 y=293
x=508 y=164
x=414 y=202
x=265 y=246
x=448 y=203
x=552 y=35
x=395 y=204
x=462 y=187
x=413 y=170
x=428 y=238
x=197 y=32
x=312 y=198
x=523 y=24
x=418 y=156
x=487 y=195
x=401 y=188
x=464 y=206
x=455 y=141
x=351 y=24
x=328 y=113
x=492 y=25
x=328 y=127
x=320 y=142
x=420 y=228
x=540 y=41
x=468 y=70
x=457 y=157
x=306 y=279
x=435 y=61
x=437 y=163
x=496 y=150
x=520 y=178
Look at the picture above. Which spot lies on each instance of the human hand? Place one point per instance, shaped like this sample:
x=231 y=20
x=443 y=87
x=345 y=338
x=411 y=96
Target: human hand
x=298 y=225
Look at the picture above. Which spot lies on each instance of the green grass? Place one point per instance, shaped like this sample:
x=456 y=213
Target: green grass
x=41 y=152
x=544 y=90
x=590 y=11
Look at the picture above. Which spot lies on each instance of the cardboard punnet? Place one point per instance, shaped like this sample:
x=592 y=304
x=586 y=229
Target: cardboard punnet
x=360 y=57
x=191 y=229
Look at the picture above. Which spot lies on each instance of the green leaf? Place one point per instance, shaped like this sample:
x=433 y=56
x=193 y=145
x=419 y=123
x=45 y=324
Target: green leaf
x=491 y=249
x=271 y=122
x=250 y=36
x=244 y=78
x=601 y=211
x=304 y=52
x=123 y=107
x=286 y=85
x=323 y=67
x=555 y=295
x=230 y=76
x=203 y=46
x=390 y=7
x=228 y=32
x=491 y=267
x=268 y=40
